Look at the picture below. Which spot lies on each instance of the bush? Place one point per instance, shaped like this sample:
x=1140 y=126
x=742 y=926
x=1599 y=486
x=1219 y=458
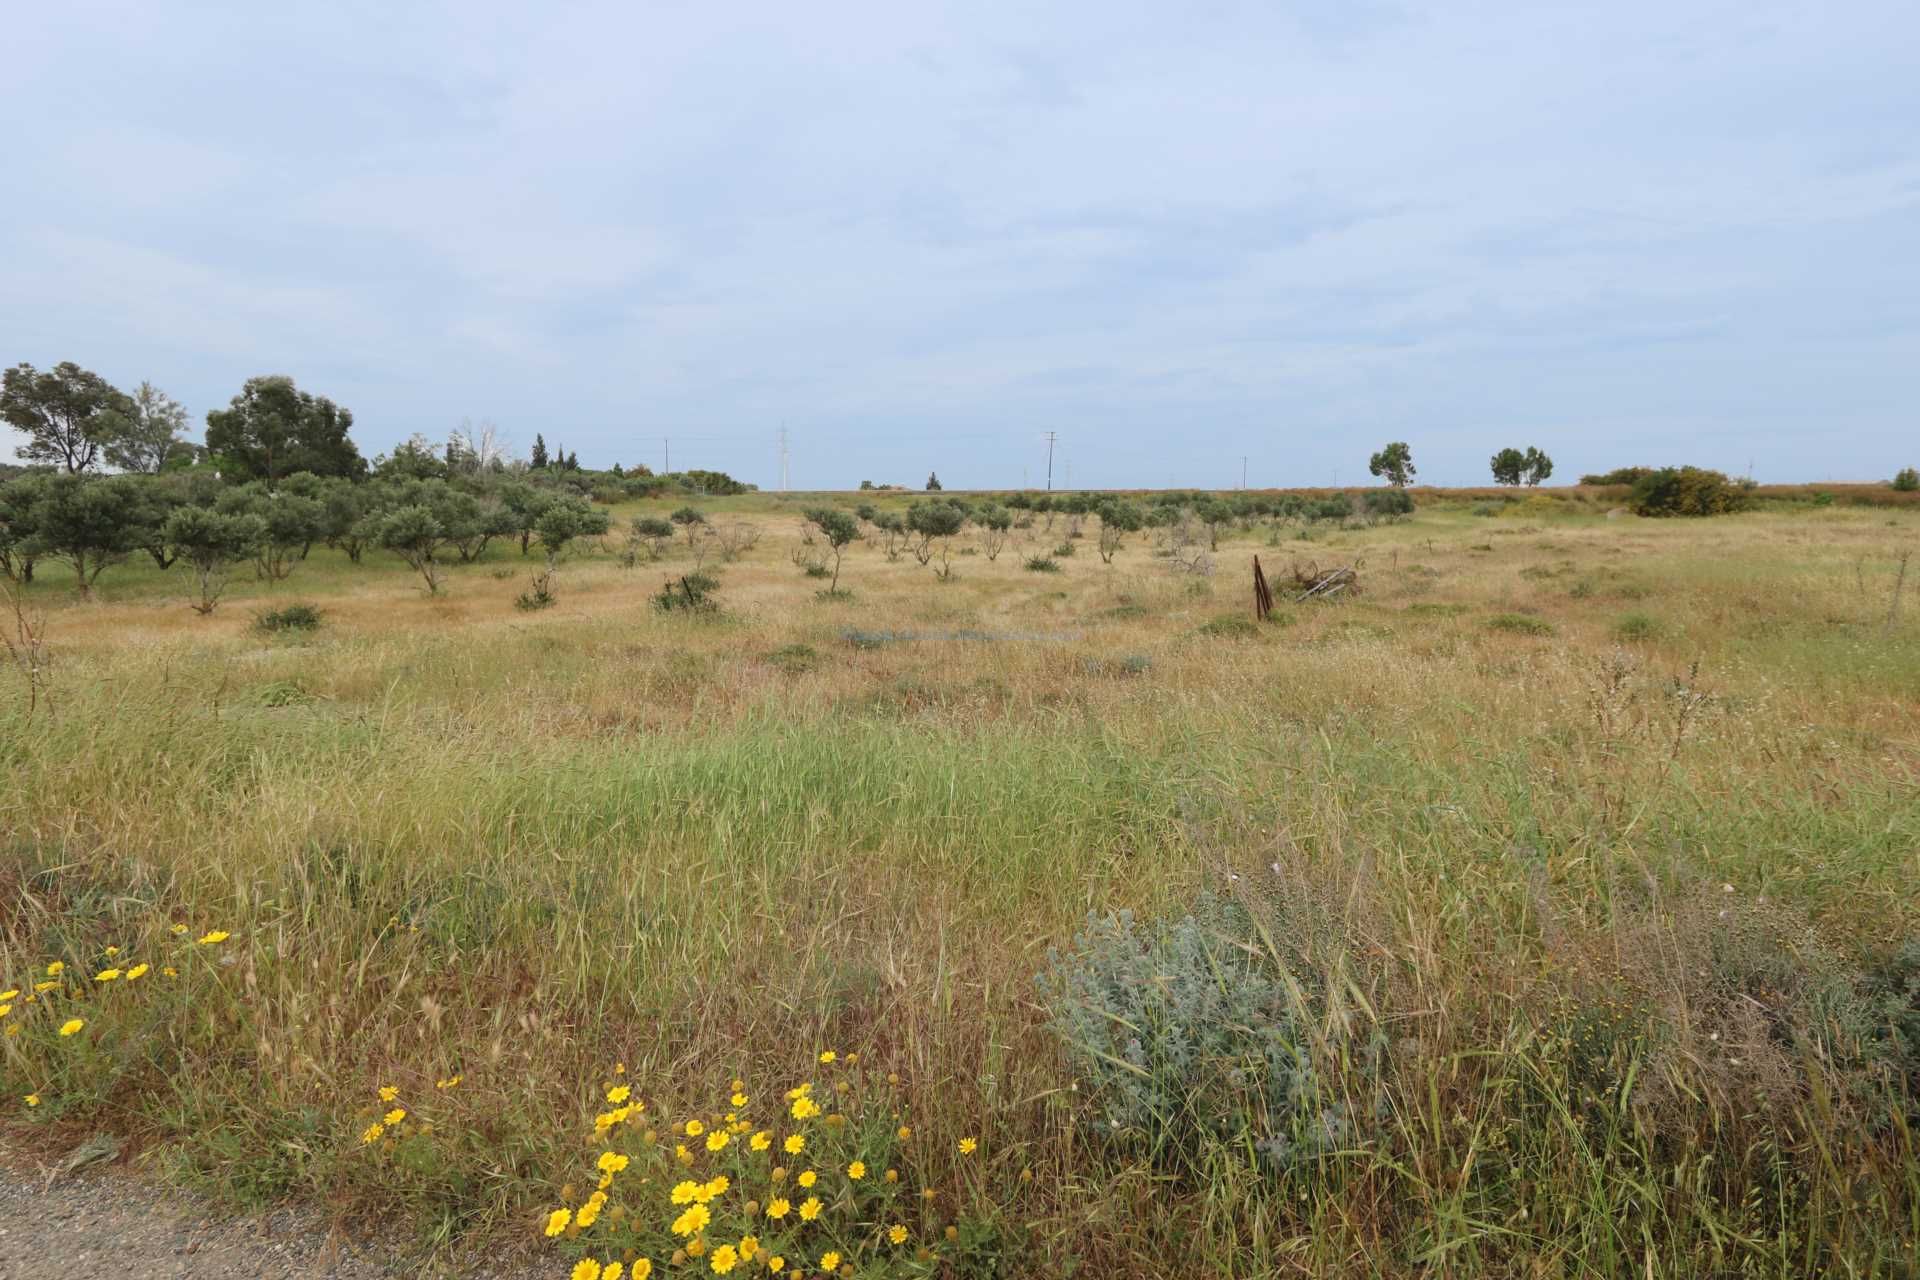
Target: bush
x=1686 y=491
x=1042 y=564
x=1907 y=480
x=1192 y=1038
x=1619 y=475
x=1524 y=624
x=1232 y=627
x=292 y=617
x=1634 y=628
x=691 y=593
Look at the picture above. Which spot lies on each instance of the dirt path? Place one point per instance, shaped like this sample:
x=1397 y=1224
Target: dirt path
x=114 y=1223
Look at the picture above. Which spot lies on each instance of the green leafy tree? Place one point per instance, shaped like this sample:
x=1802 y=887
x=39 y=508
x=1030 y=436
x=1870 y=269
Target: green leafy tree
x=1536 y=467
x=291 y=523
x=1394 y=463
x=995 y=521
x=1906 y=480
x=839 y=529
x=1686 y=491
x=893 y=530
x=149 y=440
x=1507 y=466
x=273 y=429
x=929 y=521
x=211 y=543
x=1387 y=504
x=16 y=562
x=566 y=520
x=654 y=532
x=414 y=534
x=88 y=522
x=69 y=415
x=413 y=459
x=1216 y=515
x=539 y=459
x=933 y=482
x=1117 y=519
x=691 y=520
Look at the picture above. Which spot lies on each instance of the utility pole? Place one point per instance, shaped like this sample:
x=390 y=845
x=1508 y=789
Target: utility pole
x=1243 y=471
x=783 y=459
x=666 y=454
x=1050 y=439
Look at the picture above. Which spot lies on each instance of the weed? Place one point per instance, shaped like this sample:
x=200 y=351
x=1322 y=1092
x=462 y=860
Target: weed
x=291 y=617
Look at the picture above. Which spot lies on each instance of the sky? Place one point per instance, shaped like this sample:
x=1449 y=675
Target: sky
x=1197 y=241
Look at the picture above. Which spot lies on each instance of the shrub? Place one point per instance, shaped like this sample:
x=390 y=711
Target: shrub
x=1042 y=564
x=1638 y=627
x=1524 y=624
x=292 y=617
x=1907 y=480
x=690 y=593
x=1686 y=491
x=1233 y=627
x=1064 y=550
x=1193 y=1039
x=538 y=595
x=1485 y=510
x=1619 y=475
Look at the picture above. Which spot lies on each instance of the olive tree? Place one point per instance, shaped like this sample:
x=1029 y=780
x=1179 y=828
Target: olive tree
x=994 y=522
x=1117 y=519
x=929 y=521
x=839 y=529
x=691 y=519
x=210 y=543
x=415 y=535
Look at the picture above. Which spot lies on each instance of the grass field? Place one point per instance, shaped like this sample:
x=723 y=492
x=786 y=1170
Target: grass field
x=1587 y=849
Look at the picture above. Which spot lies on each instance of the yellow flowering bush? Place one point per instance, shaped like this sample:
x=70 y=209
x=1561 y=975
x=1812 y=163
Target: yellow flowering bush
x=823 y=1178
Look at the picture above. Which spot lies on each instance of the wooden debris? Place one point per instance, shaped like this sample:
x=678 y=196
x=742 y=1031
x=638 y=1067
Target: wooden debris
x=1262 y=598
x=1314 y=584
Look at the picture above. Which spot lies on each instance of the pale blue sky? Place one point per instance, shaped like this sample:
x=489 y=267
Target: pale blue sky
x=921 y=235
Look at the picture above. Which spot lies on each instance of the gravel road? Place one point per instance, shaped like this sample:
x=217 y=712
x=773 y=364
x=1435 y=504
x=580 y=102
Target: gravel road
x=113 y=1223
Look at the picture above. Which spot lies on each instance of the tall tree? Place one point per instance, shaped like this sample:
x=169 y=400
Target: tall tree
x=1395 y=463
x=1536 y=466
x=150 y=439
x=273 y=429
x=539 y=458
x=68 y=414
x=1507 y=466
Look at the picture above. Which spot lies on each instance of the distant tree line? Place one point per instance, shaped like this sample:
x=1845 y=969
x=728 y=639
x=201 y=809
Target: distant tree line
x=110 y=475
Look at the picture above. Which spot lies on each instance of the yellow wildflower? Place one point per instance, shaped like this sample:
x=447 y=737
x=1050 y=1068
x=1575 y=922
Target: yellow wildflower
x=8 y=995
x=112 y=951
x=807 y=1179
x=968 y=1146
x=893 y=1175
x=685 y=1192
x=749 y=1246
x=106 y=975
x=739 y=1099
x=395 y=1116
x=449 y=1083
x=716 y=1186
x=57 y=968
x=72 y=1026
x=590 y=1210
x=179 y=928
x=695 y=1128
x=724 y=1259
x=810 y=1208
x=897 y=1233
x=830 y=1260
x=372 y=1134
x=168 y=971
x=828 y=1057
x=138 y=971
x=903 y=1133
x=716 y=1140
x=794 y=1144
x=805 y=1108
x=612 y=1271
x=776 y=1264
x=692 y=1220
x=857 y=1170
x=777 y=1208
x=619 y=1093
x=213 y=936
x=44 y=987
x=557 y=1221
x=33 y=1099
x=5 y=1009
x=585 y=1269
x=611 y=1162
x=761 y=1140
x=642 y=1269
x=388 y=1093
x=696 y=1247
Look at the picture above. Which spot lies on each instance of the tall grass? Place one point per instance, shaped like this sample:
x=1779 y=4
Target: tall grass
x=1601 y=913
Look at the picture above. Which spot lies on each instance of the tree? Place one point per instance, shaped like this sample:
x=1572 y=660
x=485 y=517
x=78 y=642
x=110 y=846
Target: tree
x=16 y=562
x=539 y=459
x=291 y=524
x=1117 y=519
x=413 y=534
x=933 y=482
x=413 y=459
x=1214 y=514
x=994 y=522
x=690 y=519
x=1388 y=504
x=210 y=543
x=149 y=440
x=895 y=529
x=89 y=522
x=565 y=520
x=273 y=429
x=69 y=415
x=1906 y=480
x=653 y=531
x=1395 y=463
x=1507 y=466
x=839 y=529
x=931 y=520
x=1537 y=466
